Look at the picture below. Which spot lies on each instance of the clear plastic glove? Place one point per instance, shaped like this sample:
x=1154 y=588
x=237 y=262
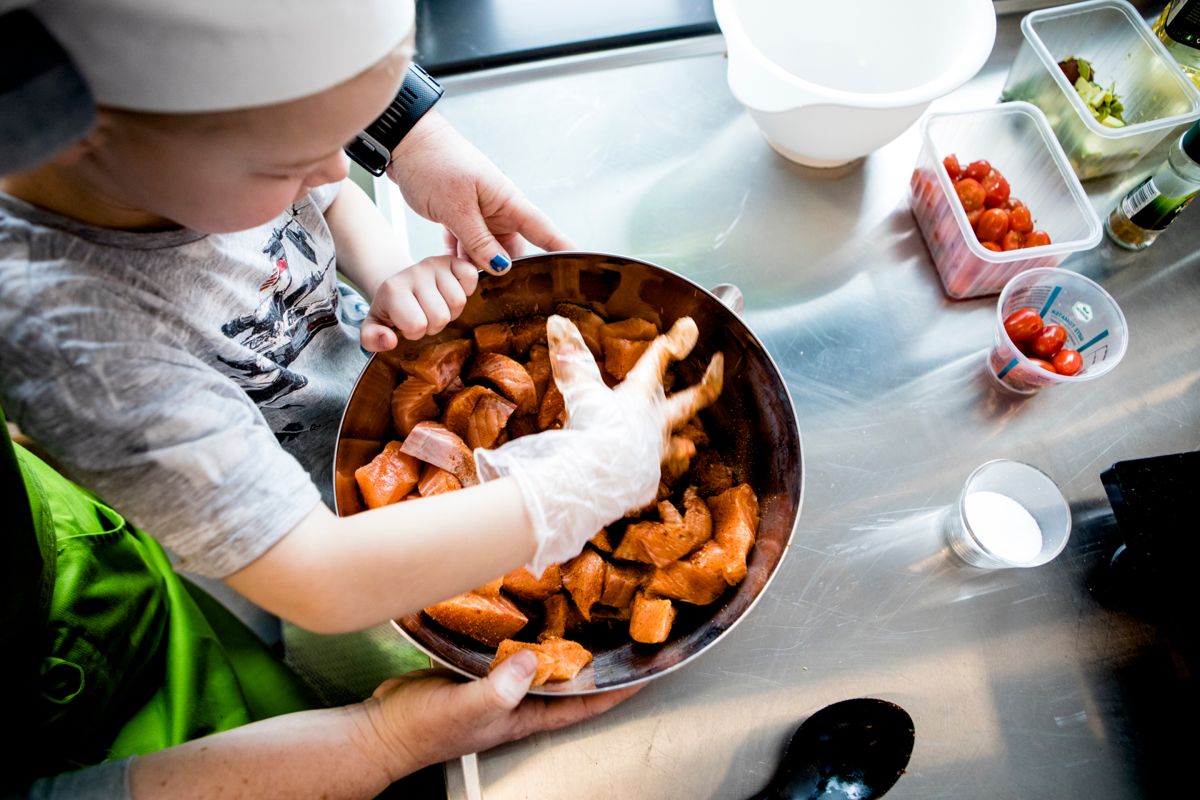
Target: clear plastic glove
x=607 y=460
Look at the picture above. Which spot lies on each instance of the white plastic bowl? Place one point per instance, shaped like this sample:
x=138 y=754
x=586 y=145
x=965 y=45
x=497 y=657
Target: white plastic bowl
x=830 y=82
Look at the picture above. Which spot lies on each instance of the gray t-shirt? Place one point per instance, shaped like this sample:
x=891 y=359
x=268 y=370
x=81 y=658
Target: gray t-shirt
x=194 y=382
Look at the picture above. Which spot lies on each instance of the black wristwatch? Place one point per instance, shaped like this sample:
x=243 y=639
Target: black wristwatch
x=372 y=147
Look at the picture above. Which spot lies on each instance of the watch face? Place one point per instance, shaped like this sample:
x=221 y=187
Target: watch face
x=368 y=153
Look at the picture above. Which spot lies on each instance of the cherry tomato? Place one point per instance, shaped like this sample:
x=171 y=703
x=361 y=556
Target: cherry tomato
x=978 y=170
x=953 y=168
x=996 y=190
x=973 y=217
x=1020 y=220
x=1011 y=241
x=992 y=225
x=1048 y=341
x=1035 y=239
x=1067 y=361
x=1023 y=324
x=995 y=248
x=970 y=193
x=1046 y=365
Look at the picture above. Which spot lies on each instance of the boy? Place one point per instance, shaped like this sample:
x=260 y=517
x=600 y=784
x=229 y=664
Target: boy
x=196 y=380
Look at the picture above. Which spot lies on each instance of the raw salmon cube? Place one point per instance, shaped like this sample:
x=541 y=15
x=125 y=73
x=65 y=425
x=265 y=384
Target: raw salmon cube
x=583 y=578
x=527 y=332
x=553 y=413
x=439 y=363
x=620 y=585
x=521 y=584
x=538 y=367
x=621 y=354
x=685 y=581
x=412 y=402
x=507 y=377
x=436 y=444
x=352 y=454
x=487 y=618
x=601 y=541
x=633 y=328
x=660 y=543
x=388 y=477
x=735 y=522
x=587 y=321
x=493 y=338
x=558 y=659
x=435 y=480
x=478 y=415
x=554 y=625
x=651 y=620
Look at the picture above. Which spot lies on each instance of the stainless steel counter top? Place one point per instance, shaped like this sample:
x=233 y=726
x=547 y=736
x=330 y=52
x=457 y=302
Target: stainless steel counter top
x=1022 y=683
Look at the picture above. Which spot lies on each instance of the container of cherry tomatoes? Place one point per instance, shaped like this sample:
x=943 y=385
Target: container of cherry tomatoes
x=994 y=168
x=1054 y=326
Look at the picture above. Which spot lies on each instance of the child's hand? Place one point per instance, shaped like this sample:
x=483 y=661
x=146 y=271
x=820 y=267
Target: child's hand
x=418 y=301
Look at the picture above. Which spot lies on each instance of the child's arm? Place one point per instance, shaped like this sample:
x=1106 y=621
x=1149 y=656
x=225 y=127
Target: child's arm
x=412 y=299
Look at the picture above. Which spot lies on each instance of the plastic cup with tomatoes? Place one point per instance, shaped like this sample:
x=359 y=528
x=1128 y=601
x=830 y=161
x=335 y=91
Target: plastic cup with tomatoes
x=1054 y=326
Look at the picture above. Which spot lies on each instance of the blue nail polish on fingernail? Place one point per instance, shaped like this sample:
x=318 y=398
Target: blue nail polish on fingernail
x=500 y=262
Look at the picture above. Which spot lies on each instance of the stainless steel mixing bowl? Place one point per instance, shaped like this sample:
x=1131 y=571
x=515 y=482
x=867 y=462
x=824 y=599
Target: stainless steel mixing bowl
x=753 y=424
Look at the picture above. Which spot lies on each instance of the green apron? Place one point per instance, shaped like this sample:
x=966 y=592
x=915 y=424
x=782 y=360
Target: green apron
x=112 y=653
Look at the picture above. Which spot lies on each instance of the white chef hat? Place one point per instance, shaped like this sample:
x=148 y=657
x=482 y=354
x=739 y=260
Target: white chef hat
x=219 y=55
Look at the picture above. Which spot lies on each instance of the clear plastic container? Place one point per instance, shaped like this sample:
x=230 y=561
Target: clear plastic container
x=1125 y=53
x=1017 y=140
x=1094 y=323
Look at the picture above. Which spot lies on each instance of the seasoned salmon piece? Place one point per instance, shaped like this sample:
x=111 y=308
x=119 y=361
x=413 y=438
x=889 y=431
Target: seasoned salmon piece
x=352 y=454
x=710 y=473
x=735 y=522
x=488 y=421
x=601 y=541
x=620 y=585
x=508 y=377
x=558 y=659
x=521 y=584
x=538 y=367
x=659 y=543
x=553 y=413
x=554 y=626
x=435 y=480
x=527 y=332
x=478 y=416
x=388 y=477
x=651 y=620
x=487 y=618
x=685 y=581
x=621 y=354
x=436 y=444
x=439 y=363
x=456 y=386
x=639 y=330
x=493 y=338
x=693 y=429
x=522 y=425
x=412 y=402
x=491 y=588
x=583 y=578
x=588 y=322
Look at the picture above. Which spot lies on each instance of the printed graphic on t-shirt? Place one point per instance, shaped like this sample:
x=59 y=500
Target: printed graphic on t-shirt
x=296 y=302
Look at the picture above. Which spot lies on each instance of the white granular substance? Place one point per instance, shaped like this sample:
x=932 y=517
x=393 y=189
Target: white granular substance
x=1003 y=526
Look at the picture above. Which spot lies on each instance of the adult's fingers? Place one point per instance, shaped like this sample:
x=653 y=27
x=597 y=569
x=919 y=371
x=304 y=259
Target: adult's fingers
x=477 y=242
x=538 y=230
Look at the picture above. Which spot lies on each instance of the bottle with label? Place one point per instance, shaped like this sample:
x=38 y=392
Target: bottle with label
x=1148 y=208
x=1178 y=28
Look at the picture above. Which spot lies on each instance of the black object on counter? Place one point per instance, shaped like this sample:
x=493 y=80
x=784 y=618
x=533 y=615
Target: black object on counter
x=853 y=749
x=455 y=36
x=1154 y=503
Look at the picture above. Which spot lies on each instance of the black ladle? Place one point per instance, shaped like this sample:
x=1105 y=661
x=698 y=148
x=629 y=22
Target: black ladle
x=852 y=750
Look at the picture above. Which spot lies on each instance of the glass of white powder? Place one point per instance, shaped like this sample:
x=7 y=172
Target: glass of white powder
x=1009 y=514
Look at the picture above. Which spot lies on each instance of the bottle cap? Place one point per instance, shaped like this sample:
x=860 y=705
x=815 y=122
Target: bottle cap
x=1191 y=142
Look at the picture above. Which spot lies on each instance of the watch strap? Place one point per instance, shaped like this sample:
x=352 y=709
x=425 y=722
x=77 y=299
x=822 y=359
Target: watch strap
x=372 y=147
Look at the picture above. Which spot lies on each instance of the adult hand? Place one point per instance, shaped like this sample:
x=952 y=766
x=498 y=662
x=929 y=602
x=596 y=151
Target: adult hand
x=606 y=461
x=418 y=301
x=431 y=716
x=446 y=180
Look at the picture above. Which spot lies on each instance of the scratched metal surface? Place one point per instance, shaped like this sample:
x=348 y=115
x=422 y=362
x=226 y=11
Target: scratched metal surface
x=1022 y=683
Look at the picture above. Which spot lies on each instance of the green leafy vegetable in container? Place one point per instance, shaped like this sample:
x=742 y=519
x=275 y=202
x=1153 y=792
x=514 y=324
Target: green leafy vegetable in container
x=1104 y=104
